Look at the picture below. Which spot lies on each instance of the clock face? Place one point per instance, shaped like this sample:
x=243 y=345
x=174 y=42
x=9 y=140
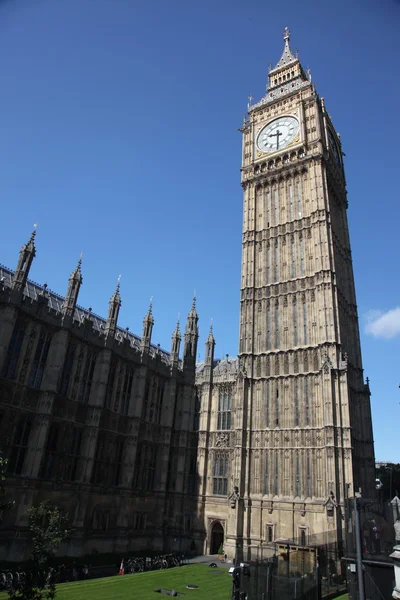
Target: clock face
x=334 y=148
x=277 y=134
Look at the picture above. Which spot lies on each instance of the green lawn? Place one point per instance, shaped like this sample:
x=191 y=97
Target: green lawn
x=140 y=586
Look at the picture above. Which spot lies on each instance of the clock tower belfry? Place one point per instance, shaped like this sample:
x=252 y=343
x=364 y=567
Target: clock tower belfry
x=304 y=413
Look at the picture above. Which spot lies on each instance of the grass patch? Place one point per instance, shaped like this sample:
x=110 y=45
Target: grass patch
x=141 y=585
x=343 y=597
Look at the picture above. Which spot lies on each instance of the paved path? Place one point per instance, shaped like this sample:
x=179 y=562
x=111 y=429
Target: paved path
x=209 y=559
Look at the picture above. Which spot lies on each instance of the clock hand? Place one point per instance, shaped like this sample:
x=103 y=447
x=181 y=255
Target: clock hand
x=277 y=135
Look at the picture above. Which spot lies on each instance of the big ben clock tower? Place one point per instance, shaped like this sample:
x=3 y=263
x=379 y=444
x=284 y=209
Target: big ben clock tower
x=302 y=415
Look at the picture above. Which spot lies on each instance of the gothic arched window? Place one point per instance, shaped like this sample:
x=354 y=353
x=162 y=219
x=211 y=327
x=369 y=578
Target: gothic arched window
x=224 y=408
x=220 y=474
x=14 y=349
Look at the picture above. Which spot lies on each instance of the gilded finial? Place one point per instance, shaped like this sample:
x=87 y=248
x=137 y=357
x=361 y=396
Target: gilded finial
x=211 y=324
x=286 y=34
x=250 y=98
x=34 y=231
x=119 y=282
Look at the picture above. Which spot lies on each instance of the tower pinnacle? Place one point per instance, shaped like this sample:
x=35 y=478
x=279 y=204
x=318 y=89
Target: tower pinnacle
x=113 y=311
x=74 y=284
x=26 y=256
x=148 y=323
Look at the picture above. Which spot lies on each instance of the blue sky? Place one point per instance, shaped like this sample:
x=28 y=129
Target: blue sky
x=119 y=134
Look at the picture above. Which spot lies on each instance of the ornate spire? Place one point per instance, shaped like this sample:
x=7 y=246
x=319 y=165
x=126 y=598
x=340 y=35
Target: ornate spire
x=74 y=284
x=210 y=345
x=26 y=256
x=176 y=344
x=148 y=323
x=210 y=337
x=287 y=55
x=113 y=310
x=191 y=336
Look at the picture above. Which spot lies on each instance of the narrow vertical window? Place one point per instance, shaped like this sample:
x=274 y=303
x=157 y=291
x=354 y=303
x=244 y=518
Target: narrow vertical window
x=276 y=260
x=304 y=321
x=14 y=349
x=19 y=445
x=268 y=328
x=39 y=360
x=296 y=404
x=268 y=203
x=277 y=325
x=299 y=199
x=295 y=334
x=126 y=392
x=224 y=408
x=302 y=269
x=298 y=490
x=86 y=383
x=275 y=195
x=220 y=475
x=306 y=399
x=291 y=202
x=268 y=264
x=293 y=257
x=267 y=404
x=110 y=382
x=276 y=474
x=266 y=481
x=308 y=476
x=277 y=407
x=67 y=370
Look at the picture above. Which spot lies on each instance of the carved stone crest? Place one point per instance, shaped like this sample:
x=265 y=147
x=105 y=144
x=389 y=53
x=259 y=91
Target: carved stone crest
x=222 y=440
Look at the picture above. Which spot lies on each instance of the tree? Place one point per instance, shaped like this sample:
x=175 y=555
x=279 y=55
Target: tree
x=4 y=505
x=48 y=529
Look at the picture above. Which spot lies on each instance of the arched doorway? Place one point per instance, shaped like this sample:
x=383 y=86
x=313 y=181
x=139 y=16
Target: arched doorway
x=217 y=537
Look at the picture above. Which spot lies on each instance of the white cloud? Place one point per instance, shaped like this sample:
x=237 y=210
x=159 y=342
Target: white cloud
x=384 y=324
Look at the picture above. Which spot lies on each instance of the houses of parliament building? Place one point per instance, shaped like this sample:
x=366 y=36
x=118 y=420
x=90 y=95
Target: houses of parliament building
x=149 y=450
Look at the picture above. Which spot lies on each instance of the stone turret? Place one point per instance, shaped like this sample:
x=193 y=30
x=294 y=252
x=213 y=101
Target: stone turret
x=210 y=345
x=148 y=323
x=74 y=285
x=113 y=311
x=26 y=256
x=175 y=346
x=191 y=338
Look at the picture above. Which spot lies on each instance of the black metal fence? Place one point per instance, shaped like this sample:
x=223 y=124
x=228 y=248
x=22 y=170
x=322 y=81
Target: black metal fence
x=292 y=572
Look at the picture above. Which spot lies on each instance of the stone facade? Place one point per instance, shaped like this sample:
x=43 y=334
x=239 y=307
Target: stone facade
x=148 y=451
x=96 y=420
x=285 y=430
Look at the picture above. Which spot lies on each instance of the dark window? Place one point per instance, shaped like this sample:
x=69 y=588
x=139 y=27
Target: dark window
x=224 y=409
x=266 y=486
x=20 y=445
x=39 y=359
x=108 y=461
x=87 y=378
x=67 y=371
x=62 y=452
x=270 y=533
x=110 y=383
x=153 y=401
x=145 y=467
x=303 y=537
x=117 y=466
x=220 y=475
x=14 y=349
x=126 y=392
